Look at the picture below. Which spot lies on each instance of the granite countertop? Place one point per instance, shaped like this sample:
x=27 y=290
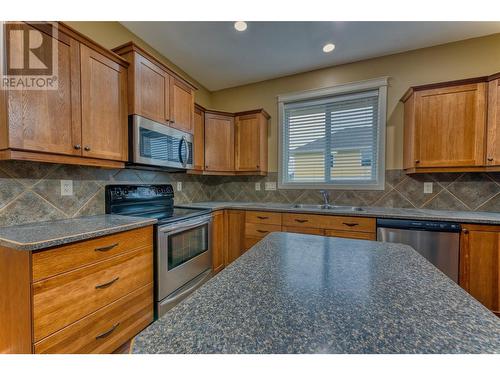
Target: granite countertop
x=378 y=212
x=295 y=293
x=46 y=234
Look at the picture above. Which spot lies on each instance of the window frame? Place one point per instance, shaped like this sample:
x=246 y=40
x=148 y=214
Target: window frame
x=379 y=84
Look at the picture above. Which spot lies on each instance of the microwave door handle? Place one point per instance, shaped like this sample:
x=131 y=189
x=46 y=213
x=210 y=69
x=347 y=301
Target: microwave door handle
x=183 y=158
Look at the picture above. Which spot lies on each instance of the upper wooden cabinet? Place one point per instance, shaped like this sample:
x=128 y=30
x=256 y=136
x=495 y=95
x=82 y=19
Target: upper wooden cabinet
x=480 y=264
x=445 y=125
x=219 y=142
x=251 y=141
x=155 y=91
x=199 y=139
x=83 y=121
x=453 y=126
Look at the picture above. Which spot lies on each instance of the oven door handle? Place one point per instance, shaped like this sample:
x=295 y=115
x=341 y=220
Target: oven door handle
x=173 y=228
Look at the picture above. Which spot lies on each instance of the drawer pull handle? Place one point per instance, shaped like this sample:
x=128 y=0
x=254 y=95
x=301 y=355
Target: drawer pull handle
x=351 y=224
x=106 y=248
x=105 y=285
x=263 y=217
x=301 y=220
x=262 y=231
x=108 y=332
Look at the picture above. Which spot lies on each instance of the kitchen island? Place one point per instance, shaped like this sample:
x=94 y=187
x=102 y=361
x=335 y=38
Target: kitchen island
x=295 y=293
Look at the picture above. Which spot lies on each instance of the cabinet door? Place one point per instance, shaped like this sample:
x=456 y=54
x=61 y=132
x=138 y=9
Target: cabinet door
x=49 y=120
x=247 y=143
x=199 y=139
x=219 y=143
x=181 y=105
x=152 y=90
x=493 y=137
x=218 y=241
x=450 y=126
x=235 y=235
x=104 y=102
x=480 y=264
x=303 y=230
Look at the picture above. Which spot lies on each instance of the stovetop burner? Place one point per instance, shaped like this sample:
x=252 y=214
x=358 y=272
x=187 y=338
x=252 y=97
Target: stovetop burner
x=152 y=201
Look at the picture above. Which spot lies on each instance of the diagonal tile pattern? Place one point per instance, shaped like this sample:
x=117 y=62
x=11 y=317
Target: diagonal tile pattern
x=31 y=191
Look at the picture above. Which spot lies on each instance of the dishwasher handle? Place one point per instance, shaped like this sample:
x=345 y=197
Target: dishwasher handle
x=425 y=225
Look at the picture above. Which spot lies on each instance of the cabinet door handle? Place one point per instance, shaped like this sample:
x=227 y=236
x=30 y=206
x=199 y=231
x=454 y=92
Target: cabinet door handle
x=490 y=159
x=77 y=147
x=465 y=231
x=106 y=248
x=86 y=148
x=263 y=217
x=108 y=332
x=105 y=285
x=301 y=220
x=417 y=161
x=262 y=231
x=351 y=224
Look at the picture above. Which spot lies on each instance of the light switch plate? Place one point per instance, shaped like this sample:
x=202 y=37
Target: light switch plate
x=66 y=187
x=427 y=187
x=270 y=185
x=179 y=185
x=257 y=186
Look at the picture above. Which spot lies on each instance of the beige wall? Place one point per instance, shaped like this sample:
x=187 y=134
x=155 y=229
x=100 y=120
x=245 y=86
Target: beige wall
x=473 y=57
x=113 y=34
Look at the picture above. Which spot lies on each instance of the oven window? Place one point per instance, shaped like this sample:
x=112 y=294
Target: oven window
x=186 y=245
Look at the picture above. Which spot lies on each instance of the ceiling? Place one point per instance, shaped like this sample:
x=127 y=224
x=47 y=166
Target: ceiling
x=218 y=56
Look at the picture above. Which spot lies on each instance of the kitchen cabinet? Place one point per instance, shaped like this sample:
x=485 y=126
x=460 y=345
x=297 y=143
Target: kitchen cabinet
x=155 y=91
x=493 y=128
x=83 y=121
x=445 y=125
x=251 y=141
x=219 y=142
x=218 y=241
x=199 y=139
x=88 y=297
x=235 y=235
x=480 y=264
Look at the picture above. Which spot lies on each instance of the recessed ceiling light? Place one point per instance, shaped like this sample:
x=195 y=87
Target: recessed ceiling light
x=329 y=47
x=240 y=25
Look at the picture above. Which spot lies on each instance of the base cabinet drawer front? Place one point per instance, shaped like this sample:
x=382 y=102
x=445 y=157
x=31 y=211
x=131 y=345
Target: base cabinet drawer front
x=63 y=299
x=262 y=217
x=250 y=241
x=305 y=220
x=352 y=224
x=352 y=235
x=106 y=329
x=304 y=230
x=66 y=258
x=260 y=230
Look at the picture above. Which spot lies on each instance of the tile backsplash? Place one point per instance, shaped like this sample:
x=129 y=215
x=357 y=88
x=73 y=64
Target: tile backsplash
x=31 y=191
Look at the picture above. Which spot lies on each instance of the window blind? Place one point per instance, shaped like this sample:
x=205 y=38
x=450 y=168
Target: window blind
x=332 y=140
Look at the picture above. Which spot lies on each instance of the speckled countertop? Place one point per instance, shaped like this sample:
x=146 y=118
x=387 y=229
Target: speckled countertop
x=378 y=212
x=294 y=293
x=59 y=232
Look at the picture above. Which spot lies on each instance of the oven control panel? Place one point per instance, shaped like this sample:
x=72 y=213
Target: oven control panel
x=117 y=193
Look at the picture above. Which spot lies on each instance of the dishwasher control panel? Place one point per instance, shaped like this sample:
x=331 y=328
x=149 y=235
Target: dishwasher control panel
x=438 y=226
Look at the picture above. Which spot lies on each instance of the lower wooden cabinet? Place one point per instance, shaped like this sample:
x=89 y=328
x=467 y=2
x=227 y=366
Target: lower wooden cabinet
x=218 y=241
x=372 y=236
x=480 y=264
x=235 y=235
x=88 y=297
x=304 y=230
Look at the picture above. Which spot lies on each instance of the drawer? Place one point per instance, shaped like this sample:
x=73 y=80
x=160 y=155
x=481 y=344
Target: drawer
x=260 y=230
x=66 y=258
x=106 y=329
x=304 y=230
x=63 y=299
x=250 y=241
x=262 y=217
x=348 y=234
x=305 y=221
x=352 y=224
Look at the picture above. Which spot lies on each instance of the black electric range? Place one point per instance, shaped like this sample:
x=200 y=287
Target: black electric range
x=151 y=201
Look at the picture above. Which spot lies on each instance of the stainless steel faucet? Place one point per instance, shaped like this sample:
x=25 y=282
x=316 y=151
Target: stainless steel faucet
x=326 y=198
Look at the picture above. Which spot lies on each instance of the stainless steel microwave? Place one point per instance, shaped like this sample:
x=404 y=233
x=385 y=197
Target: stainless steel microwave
x=158 y=145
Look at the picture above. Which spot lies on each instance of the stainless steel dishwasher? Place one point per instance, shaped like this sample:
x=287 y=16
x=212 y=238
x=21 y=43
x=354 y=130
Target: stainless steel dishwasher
x=437 y=241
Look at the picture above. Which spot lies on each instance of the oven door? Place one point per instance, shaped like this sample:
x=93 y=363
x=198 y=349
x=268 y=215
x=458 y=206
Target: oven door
x=183 y=253
x=160 y=145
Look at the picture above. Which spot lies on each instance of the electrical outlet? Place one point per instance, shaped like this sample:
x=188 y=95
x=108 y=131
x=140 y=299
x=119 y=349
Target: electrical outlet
x=257 y=186
x=179 y=185
x=427 y=187
x=66 y=187
x=270 y=185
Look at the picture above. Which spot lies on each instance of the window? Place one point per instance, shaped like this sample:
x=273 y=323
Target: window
x=334 y=138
